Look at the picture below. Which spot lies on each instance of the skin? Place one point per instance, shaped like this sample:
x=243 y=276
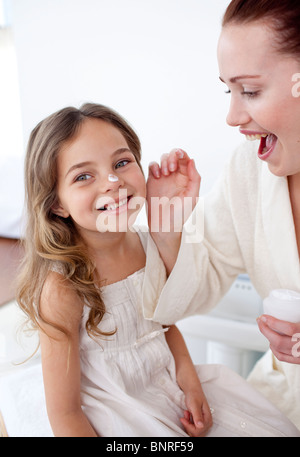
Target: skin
x=176 y=178
x=260 y=82
x=84 y=166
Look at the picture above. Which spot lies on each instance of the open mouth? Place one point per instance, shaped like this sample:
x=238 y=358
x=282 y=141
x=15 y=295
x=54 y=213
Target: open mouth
x=267 y=146
x=113 y=206
x=267 y=143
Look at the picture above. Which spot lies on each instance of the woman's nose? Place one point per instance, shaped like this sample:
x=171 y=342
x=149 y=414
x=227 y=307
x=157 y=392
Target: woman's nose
x=237 y=114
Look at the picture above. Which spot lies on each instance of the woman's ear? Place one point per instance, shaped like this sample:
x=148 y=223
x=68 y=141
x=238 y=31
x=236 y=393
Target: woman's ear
x=59 y=210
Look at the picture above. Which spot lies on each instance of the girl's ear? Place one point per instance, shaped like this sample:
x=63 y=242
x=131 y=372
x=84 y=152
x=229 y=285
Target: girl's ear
x=59 y=210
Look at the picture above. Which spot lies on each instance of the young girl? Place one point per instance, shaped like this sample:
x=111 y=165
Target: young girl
x=107 y=370
x=252 y=217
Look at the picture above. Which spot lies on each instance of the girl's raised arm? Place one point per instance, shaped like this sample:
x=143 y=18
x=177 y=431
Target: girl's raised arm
x=172 y=193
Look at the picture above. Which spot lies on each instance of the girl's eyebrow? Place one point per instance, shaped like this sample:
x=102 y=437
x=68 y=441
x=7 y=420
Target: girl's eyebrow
x=77 y=165
x=85 y=164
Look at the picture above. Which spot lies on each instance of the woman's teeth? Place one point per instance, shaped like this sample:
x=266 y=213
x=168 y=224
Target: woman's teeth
x=114 y=206
x=256 y=136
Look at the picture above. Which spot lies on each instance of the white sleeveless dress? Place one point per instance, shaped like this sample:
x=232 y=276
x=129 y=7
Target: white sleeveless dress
x=129 y=385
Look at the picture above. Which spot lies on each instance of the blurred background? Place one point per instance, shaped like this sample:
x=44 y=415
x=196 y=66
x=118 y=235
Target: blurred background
x=154 y=61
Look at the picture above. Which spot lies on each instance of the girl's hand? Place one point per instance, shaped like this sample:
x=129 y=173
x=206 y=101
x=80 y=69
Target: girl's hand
x=284 y=338
x=197 y=418
x=172 y=191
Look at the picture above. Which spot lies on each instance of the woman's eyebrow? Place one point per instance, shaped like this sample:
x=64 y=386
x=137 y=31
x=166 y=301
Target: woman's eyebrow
x=87 y=163
x=234 y=79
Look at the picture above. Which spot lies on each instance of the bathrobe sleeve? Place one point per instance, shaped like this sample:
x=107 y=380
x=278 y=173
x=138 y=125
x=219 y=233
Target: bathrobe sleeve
x=208 y=262
x=245 y=225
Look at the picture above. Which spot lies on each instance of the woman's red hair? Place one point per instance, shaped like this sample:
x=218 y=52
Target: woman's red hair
x=281 y=15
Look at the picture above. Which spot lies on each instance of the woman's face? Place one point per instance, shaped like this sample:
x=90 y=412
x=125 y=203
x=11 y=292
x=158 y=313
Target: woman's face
x=264 y=101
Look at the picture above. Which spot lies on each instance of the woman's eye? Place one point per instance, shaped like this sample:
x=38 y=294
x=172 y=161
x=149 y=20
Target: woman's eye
x=83 y=177
x=250 y=94
x=122 y=163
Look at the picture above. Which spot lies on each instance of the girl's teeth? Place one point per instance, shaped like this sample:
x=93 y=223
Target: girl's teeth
x=117 y=205
x=114 y=206
x=256 y=137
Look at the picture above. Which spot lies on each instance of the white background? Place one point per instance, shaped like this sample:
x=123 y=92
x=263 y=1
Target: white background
x=154 y=61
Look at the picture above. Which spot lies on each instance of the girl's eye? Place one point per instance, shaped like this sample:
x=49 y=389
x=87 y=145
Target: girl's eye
x=122 y=163
x=83 y=177
x=228 y=91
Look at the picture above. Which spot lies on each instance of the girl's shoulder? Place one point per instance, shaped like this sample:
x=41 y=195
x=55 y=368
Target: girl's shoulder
x=59 y=303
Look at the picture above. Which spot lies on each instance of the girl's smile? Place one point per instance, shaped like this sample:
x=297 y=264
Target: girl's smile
x=259 y=79
x=86 y=191
x=112 y=205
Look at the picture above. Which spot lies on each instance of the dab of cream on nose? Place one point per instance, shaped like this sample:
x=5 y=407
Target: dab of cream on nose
x=113 y=178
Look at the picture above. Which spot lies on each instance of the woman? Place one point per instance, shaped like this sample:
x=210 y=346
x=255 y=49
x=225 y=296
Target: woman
x=252 y=218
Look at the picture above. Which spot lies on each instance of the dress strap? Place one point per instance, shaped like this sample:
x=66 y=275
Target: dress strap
x=150 y=336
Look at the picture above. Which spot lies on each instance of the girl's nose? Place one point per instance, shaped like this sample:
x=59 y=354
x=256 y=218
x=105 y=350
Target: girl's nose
x=237 y=114
x=111 y=182
x=113 y=178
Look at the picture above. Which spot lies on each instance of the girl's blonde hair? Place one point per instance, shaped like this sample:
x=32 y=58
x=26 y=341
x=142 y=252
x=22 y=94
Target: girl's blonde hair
x=52 y=241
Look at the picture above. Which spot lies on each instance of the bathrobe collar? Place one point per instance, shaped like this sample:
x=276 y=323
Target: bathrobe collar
x=279 y=228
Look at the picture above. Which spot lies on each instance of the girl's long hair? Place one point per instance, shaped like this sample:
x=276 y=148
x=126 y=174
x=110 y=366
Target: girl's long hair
x=51 y=241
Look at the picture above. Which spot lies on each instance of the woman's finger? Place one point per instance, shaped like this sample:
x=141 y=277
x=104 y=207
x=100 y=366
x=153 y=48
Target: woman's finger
x=283 y=327
x=282 y=337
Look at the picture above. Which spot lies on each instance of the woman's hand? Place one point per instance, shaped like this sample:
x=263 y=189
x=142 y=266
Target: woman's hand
x=284 y=338
x=172 y=191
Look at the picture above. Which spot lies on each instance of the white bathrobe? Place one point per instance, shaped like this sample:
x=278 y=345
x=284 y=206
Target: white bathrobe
x=245 y=225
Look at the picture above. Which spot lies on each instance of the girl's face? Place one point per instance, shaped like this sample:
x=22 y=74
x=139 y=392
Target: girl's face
x=264 y=102
x=100 y=184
